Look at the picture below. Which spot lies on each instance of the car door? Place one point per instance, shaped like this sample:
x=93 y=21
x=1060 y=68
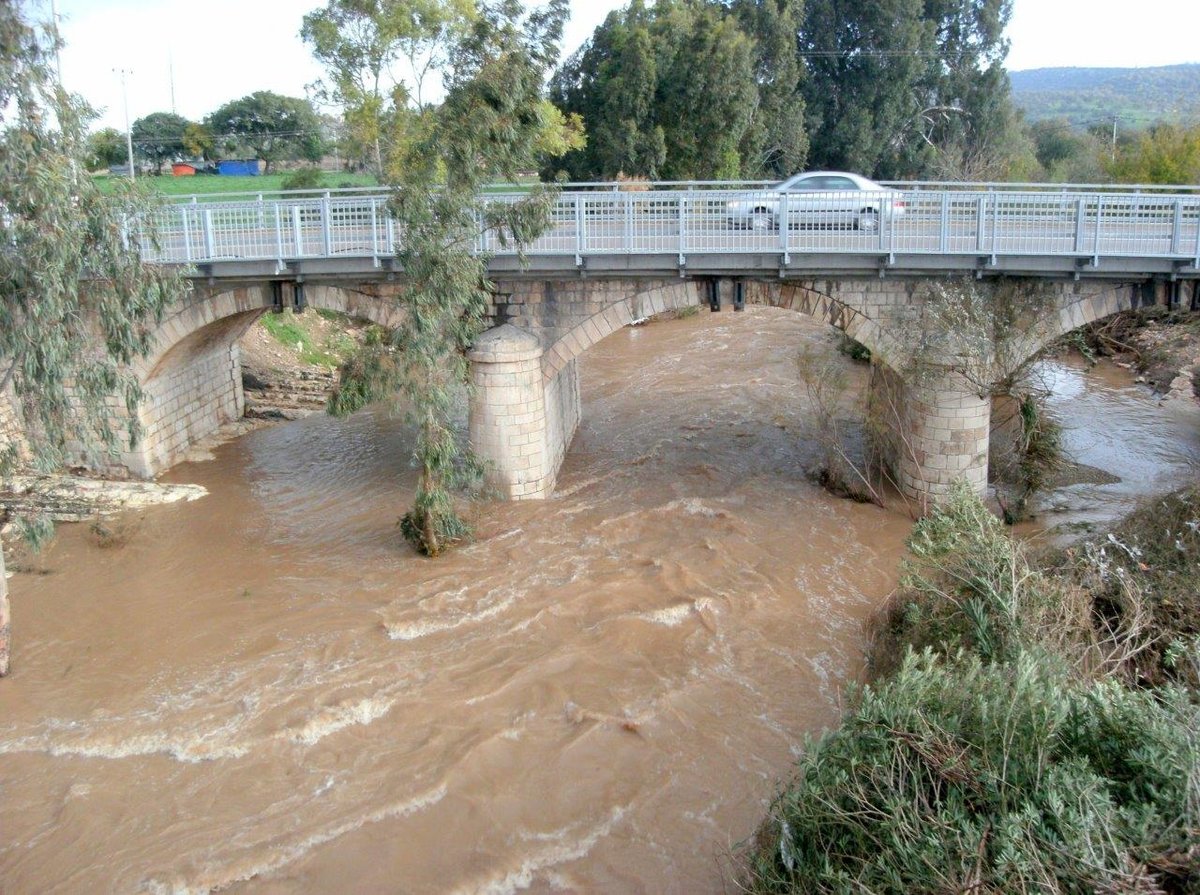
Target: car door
x=844 y=200
x=805 y=201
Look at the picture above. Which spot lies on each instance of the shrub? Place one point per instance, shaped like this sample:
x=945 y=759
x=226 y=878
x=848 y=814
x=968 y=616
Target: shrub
x=964 y=776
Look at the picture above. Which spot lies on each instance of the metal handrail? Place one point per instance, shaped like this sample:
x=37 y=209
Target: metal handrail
x=711 y=185
x=1087 y=226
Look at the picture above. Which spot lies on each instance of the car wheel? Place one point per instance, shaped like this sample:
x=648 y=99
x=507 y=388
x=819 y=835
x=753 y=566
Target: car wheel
x=761 y=220
x=868 y=221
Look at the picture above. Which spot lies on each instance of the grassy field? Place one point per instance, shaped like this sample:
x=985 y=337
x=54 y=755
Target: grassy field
x=213 y=185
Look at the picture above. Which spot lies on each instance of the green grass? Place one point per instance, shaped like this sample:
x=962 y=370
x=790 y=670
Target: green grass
x=215 y=185
x=296 y=334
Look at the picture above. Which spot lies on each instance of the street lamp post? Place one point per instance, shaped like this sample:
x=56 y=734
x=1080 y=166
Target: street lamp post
x=123 y=73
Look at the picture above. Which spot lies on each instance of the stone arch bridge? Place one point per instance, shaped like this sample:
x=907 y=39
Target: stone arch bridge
x=525 y=407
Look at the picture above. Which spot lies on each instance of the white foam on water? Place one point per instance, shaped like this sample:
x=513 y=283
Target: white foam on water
x=425 y=627
x=338 y=717
x=214 y=880
x=560 y=851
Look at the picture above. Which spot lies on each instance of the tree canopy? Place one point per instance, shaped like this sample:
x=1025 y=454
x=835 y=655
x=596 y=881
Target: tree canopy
x=158 y=137
x=270 y=126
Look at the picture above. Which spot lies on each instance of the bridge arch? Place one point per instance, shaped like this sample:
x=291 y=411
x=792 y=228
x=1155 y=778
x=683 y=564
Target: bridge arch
x=845 y=313
x=191 y=377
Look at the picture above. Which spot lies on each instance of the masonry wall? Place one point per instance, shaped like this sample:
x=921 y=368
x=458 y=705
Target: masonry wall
x=195 y=389
x=563 y=413
x=10 y=427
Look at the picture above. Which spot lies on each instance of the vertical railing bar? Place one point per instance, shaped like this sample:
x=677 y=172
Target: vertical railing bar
x=628 y=224
x=994 y=198
x=683 y=228
x=374 y=232
x=980 y=212
x=784 y=211
x=579 y=236
x=1177 y=229
x=297 y=234
x=1080 y=221
x=278 y=237
x=209 y=250
x=326 y=226
x=1096 y=241
x=187 y=233
x=944 y=236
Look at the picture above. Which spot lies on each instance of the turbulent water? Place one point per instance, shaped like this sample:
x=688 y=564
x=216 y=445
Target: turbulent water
x=265 y=691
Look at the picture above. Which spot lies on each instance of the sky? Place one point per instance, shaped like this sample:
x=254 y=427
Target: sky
x=219 y=50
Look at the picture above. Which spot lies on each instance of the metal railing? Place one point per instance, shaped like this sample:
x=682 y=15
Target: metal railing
x=682 y=223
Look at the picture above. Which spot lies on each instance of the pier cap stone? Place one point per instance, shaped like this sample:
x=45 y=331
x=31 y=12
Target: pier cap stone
x=505 y=344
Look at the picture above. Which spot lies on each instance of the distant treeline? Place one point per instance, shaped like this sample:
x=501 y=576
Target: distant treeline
x=1089 y=97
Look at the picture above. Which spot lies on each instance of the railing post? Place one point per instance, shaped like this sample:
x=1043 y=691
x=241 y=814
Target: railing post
x=1096 y=241
x=278 y=237
x=374 y=232
x=326 y=227
x=628 y=228
x=1080 y=221
x=944 y=235
x=297 y=233
x=1177 y=229
x=187 y=233
x=995 y=200
x=783 y=228
x=683 y=229
x=980 y=211
x=580 y=239
x=209 y=250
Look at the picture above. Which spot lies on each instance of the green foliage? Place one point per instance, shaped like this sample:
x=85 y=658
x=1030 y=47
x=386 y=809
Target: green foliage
x=993 y=759
x=76 y=303
x=290 y=330
x=302 y=179
x=491 y=126
x=270 y=126
x=968 y=776
x=106 y=147
x=158 y=137
x=666 y=92
x=361 y=44
x=1165 y=153
x=198 y=140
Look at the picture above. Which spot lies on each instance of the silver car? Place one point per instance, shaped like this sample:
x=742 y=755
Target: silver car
x=818 y=199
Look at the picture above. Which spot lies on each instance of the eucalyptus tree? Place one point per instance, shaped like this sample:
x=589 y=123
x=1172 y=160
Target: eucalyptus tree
x=492 y=125
x=76 y=303
x=379 y=56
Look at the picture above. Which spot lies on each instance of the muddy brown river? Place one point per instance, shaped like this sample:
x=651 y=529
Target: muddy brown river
x=265 y=691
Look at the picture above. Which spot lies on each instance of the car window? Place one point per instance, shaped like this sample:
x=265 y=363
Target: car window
x=840 y=183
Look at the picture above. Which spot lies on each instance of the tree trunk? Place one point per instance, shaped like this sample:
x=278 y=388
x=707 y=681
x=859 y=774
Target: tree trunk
x=4 y=618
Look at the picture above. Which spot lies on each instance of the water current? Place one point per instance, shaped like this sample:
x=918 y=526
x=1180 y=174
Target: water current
x=265 y=691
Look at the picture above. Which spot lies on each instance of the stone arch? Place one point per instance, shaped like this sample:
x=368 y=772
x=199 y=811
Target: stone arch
x=191 y=378
x=1078 y=305
x=802 y=297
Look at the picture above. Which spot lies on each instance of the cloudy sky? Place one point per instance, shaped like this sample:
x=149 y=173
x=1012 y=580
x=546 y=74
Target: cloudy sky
x=223 y=49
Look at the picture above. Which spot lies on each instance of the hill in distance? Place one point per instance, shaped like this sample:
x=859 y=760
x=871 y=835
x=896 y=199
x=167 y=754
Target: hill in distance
x=1092 y=96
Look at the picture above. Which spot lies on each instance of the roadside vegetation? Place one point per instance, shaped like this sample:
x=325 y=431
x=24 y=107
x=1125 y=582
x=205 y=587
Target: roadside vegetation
x=203 y=184
x=1031 y=725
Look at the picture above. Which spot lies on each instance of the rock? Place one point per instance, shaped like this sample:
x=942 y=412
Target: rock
x=70 y=498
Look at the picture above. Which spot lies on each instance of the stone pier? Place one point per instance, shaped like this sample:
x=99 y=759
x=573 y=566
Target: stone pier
x=937 y=431
x=520 y=424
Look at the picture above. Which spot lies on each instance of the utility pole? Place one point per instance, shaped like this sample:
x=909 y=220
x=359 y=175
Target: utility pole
x=1113 y=152
x=123 y=73
x=171 y=79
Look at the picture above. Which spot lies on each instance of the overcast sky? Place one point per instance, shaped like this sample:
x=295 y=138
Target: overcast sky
x=224 y=49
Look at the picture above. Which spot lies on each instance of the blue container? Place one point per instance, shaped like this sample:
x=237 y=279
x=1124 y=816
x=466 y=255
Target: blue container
x=238 y=167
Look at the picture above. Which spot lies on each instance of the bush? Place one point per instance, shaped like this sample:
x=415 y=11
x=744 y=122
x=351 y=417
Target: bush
x=1008 y=750
x=303 y=179
x=964 y=776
